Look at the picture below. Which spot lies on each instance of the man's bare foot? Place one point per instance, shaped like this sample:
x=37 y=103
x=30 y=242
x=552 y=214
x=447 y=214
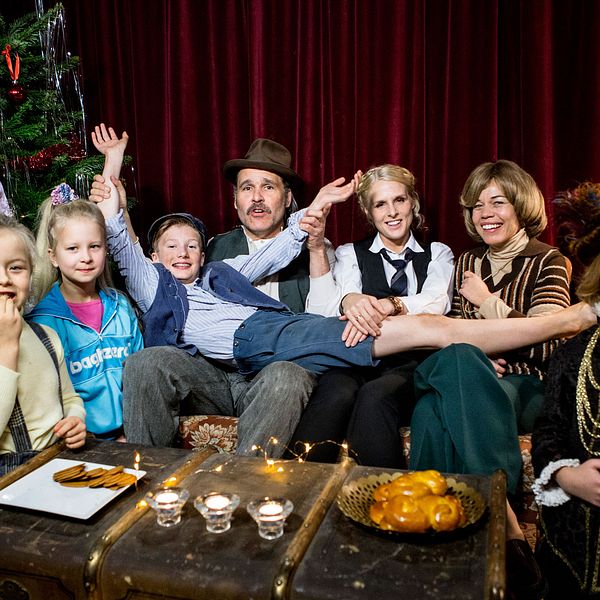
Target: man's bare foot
x=121 y=439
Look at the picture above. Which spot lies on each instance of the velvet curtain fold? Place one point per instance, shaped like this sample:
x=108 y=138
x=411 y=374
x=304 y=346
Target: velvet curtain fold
x=437 y=86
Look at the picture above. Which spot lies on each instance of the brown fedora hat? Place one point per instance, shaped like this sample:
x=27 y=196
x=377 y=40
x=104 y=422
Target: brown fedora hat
x=265 y=155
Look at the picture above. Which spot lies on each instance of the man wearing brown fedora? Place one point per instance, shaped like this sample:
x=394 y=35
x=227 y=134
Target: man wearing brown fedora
x=264 y=190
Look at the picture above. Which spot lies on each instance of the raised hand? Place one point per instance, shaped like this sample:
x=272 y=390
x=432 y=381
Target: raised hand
x=102 y=195
x=107 y=142
x=313 y=223
x=334 y=193
x=100 y=191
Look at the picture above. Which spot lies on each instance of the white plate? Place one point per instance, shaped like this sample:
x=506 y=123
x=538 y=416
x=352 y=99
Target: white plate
x=38 y=491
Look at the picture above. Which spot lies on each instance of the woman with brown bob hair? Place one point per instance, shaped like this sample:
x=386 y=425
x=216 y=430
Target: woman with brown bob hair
x=470 y=408
x=510 y=275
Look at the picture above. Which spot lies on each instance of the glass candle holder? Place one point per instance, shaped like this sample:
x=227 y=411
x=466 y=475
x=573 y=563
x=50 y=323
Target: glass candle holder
x=270 y=515
x=217 y=509
x=167 y=502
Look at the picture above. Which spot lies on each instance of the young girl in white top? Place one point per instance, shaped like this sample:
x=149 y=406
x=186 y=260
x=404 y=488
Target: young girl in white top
x=96 y=324
x=38 y=404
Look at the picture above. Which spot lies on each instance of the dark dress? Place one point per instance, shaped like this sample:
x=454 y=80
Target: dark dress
x=569 y=551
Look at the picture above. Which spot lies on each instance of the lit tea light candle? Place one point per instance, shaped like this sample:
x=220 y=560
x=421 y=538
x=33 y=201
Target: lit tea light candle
x=217 y=509
x=270 y=515
x=217 y=501
x=167 y=503
x=271 y=510
x=166 y=499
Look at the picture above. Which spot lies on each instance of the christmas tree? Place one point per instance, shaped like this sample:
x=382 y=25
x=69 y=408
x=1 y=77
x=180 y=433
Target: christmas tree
x=42 y=117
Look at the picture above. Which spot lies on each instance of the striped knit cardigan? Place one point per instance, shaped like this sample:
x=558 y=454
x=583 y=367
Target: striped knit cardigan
x=539 y=279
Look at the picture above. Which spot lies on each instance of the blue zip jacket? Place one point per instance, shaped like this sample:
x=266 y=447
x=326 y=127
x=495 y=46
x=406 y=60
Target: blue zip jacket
x=94 y=359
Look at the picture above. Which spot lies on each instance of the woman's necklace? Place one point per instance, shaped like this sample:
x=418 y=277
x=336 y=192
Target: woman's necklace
x=498 y=270
x=588 y=420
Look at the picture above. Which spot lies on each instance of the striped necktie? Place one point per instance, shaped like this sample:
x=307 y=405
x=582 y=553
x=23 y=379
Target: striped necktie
x=399 y=283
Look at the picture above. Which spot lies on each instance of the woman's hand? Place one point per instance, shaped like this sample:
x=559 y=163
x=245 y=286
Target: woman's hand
x=334 y=193
x=365 y=313
x=474 y=289
x=72 y=429
x=582 y=481
x=351 y=335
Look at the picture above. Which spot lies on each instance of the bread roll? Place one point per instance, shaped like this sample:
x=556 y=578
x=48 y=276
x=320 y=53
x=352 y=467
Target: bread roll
x=433 y=479
x=402 y=513
x=444 y=513
x=415 y=502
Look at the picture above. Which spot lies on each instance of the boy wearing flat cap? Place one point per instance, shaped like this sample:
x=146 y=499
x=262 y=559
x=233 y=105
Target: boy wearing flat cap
x=170 y=377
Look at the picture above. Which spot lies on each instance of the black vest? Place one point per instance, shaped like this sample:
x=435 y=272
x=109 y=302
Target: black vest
x=293 y=280
x=374 y=281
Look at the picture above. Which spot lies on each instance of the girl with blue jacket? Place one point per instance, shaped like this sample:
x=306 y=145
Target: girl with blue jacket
x=96 y=324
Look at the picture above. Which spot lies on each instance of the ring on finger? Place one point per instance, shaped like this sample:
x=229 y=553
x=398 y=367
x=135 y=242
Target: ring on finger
x=358 y=317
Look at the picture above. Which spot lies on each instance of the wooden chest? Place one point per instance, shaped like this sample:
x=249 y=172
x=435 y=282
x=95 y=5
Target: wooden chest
x=122 y=553
x=46 y=556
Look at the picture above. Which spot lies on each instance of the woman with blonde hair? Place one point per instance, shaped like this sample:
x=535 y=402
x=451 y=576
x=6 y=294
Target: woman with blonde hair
x=387 y=273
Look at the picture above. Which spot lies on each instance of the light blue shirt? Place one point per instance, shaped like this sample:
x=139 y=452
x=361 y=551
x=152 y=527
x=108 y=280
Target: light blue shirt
x=211 y=322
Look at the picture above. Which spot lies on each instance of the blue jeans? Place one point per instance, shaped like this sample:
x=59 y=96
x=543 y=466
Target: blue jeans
x=163 y=382
x=311 y=341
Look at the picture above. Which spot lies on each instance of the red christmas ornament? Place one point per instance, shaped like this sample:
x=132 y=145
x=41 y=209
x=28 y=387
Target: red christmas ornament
x=43 y=159
x=76 y=150
x=16 y=93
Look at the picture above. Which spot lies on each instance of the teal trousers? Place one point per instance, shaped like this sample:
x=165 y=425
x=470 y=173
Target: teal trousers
x=467 y=420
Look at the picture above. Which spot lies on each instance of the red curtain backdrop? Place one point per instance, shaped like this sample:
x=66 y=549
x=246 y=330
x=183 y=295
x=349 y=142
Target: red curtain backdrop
x=437 y=86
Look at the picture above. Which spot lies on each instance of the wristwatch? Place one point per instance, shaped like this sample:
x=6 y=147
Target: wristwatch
x=399 y=308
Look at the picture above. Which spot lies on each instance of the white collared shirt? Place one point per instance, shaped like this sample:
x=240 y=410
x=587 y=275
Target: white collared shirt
x=435 y=296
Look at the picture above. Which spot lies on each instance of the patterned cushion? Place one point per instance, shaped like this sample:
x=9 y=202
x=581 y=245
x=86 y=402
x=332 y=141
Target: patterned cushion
x=208 y=430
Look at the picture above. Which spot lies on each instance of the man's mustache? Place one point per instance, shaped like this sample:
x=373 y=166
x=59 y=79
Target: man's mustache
x=259 y=206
